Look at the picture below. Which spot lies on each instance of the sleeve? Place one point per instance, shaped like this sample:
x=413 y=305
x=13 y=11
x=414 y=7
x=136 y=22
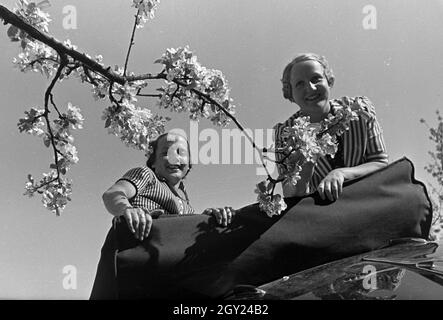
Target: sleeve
x=375 y=147
x=140 y=178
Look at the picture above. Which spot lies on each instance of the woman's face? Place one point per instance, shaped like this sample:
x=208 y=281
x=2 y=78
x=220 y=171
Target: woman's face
x=171 y=158
x=310 y=89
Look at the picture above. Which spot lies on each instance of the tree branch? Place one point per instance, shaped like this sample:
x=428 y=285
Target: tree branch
x=51 y=96
x=48 y=94
x=208 y=98
x=149 y=95
x=13 y=19
x=113 y=77
x=131 y=43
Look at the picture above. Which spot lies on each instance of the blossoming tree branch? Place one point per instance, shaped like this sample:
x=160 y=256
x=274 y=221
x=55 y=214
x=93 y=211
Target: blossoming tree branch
x=187 y=86
x=435 y=168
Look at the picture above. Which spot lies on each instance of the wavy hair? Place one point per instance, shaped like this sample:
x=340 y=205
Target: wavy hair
x=286 y=79
x=153 y=145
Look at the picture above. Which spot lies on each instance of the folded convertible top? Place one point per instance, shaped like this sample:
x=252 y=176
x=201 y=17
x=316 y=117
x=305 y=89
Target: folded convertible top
x=191 y=257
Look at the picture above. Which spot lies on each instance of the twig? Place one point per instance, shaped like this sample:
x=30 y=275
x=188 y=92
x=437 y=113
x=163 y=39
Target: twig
x=131 y=43
x=88 y=75
x=149 y=95
x=40 y=60
x=72 y=68
x=63 y=62
x=113 y=77
x=111 y=95
x=51 y=96
x=230 y=116
x=13 y=19
x=44 y=184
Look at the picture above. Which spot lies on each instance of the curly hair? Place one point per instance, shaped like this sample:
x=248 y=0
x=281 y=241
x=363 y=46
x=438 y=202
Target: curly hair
x=153 y=145
x=286 y=79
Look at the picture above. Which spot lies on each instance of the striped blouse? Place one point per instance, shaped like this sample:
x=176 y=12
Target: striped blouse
x=153 y=193
x=362 y=142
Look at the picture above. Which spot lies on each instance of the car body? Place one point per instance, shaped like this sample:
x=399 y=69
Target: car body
x=407 y=269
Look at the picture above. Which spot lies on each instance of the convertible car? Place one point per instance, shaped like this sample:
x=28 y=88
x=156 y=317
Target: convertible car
x=407 y=269
x=361 y=246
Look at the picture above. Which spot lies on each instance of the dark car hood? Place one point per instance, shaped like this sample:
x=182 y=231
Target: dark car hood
x=410 y=269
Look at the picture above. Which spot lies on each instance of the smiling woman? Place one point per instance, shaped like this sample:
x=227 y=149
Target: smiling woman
x=307 y=81
x=145 y=193
x=153 y=189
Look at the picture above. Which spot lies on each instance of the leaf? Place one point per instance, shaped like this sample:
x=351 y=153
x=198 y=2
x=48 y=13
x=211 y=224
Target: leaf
x=107 y=123
x=47 y=142
x=13 y=32
x=46 y=71
x=158 y=61
x=262 y=186
x=23 y=44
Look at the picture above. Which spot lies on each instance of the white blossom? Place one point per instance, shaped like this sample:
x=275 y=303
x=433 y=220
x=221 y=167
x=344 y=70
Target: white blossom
x=185 y=74
x=145 y=10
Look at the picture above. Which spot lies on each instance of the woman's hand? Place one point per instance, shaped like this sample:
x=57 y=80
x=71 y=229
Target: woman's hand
x=222 y=215
x=139 y=222
x=331 y=186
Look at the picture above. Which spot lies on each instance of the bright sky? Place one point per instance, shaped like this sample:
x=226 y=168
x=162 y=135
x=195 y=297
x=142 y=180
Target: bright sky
x=397 y=65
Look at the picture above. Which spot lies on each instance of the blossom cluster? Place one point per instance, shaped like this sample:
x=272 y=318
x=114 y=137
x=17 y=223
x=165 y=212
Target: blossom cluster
x=135 y=126
x=55 y=190
x=72 y=120
x=435 y=169
x=436 y=197
x=184 y=77
x=60 y=136
x=32 y=123
x=190 y=87
x=37 y=57
x=348 y=110
x=145 y=10
x=305 y=142
x=271 y=204
x=305 y=137
x=32 y=14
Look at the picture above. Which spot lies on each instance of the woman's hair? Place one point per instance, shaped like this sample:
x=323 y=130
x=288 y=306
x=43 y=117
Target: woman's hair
x=286 y=79
x=153 y=145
